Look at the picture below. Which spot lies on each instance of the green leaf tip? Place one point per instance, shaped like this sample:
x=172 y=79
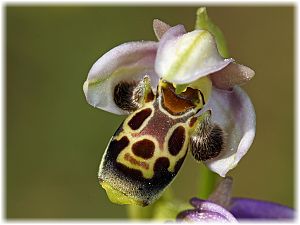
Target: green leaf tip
x=203 y=22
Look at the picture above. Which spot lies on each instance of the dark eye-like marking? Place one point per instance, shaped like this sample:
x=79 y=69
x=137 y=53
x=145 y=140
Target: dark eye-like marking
x=144 y=148
x=176 y=140
x=161 y=164
x=137 y=120
x=126 y=96
x=208 y=143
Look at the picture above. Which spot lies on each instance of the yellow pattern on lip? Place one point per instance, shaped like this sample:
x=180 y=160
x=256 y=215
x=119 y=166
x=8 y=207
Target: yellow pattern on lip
x=118 y=197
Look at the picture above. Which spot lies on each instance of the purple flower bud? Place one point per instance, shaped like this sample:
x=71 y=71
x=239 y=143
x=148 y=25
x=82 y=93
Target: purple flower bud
x=239 y=208
x=206 y=211
x=244 y=208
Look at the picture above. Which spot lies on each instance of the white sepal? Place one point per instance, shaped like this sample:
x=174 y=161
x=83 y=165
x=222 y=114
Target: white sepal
x=127 y=62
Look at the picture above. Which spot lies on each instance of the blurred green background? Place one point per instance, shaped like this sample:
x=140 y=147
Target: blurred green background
x=55 y=140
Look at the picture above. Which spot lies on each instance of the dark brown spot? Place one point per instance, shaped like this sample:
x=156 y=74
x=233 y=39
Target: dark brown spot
x=138 y=119
x=118 y=146
x=133 y=161
x=149 y=97
x=144 y=148
x=161 y=165
x=178 y=104
x=192 y=121
x=176 y=140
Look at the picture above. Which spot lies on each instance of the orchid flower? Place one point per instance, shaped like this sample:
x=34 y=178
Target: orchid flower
x=179 y=93
x=220 y=207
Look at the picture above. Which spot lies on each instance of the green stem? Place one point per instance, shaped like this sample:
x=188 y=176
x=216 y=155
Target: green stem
x=207 y=182
x=141 y=213
x=136 y=212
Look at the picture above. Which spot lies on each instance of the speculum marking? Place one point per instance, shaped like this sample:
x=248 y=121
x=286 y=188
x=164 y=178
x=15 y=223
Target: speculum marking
x=144 y=148
x=176 y=140
x=138 y=119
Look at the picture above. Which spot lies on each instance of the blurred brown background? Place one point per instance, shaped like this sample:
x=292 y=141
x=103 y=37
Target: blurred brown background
x=55 y=140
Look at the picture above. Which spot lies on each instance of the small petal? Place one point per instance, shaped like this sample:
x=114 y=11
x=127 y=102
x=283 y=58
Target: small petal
x=185 y=57
x=127 y=62
x=243 y=208
x=233 y=74
x=234 y=113
x=207 y=212
x=160 y=28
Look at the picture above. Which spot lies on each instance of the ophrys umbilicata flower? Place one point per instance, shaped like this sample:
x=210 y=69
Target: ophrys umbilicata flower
x=179 y=94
